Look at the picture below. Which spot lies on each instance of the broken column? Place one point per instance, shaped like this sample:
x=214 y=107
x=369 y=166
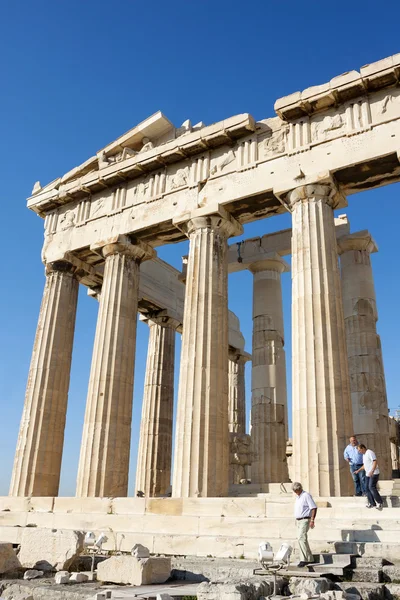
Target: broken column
x=367 y=377
x=269 y=395
x=104 y=459
x=322 y=414
x=153 y=475
x=38 y=456
x=201 y=459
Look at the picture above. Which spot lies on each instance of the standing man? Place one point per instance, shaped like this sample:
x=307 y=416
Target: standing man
x=371 y=470
x=355 y=460
x=305 y=511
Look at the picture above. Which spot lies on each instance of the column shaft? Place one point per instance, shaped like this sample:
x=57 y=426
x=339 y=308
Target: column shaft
x=153 y=475
x=201 y=460
x=38 y=456
x=237 y=393
x=269 y=394
x=367 y=377
x=322 y=415
x=104 y=459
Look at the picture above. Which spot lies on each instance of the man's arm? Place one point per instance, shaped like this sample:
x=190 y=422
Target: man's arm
x=313 y=515
x=346 y=455
x=372 y=471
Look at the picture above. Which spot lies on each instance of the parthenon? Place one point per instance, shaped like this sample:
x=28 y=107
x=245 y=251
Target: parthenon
x=160 y=184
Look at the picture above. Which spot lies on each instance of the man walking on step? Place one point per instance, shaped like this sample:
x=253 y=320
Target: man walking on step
x=305 y=511
x=355 y=460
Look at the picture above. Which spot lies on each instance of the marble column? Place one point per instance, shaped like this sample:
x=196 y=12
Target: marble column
x=237 y=391
x=268 y=382
x=367 y=377
x=201 y=456
x=322 y=414
x=104 y=459
x=153 y=474
x=38 y=456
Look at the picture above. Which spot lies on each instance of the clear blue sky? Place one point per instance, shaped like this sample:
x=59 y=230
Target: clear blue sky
x=75 y=75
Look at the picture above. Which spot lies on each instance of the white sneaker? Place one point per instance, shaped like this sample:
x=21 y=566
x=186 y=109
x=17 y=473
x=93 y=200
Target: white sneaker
x=368 y=506
x=379 y=506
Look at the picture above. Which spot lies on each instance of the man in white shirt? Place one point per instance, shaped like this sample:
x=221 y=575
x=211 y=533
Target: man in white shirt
x=370 y=466
x=305 y=511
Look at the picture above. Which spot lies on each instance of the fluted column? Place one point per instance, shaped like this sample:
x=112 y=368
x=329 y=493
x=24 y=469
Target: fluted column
x=104 y=459
x=268 y=382
x=367 y=377
x=153 y=474
x=237 y=391
x=38 y=456
x=201 y=458
x=322 y=415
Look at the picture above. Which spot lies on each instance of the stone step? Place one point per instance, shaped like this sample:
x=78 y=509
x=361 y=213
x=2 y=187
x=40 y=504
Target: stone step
x=326 y=568
x=367 y=591
x=364 y=575
x=366 y=562
x=391 y=573
x=339 y=560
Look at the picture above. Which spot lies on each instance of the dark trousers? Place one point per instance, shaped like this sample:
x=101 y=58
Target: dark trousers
x=359 y=480
x=374 y=496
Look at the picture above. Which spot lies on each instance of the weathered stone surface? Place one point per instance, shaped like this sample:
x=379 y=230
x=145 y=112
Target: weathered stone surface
x=59 y=547
x=9 y=561
x=79 y=578
x=391 y=573
x=319 y=348
x=302 y=585
x=247 y=590
x=339 y=595
x=367 y=575
x=134 y=571
x=366 y=372
x=153 y=473
x=33 y=574
x=62 y=577
x=367 y=591
x=268 y=380
x=38 y=455
x=43 y=590
x=140 y=551
x=392 y=591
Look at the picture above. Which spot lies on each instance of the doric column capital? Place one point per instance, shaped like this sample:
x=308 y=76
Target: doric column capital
x=326 y=192
x=127 y=245
x=361 y=240
x=239 y=356
x=161 y=318
x=271 y=262
x=215 y=219
x=60 y=266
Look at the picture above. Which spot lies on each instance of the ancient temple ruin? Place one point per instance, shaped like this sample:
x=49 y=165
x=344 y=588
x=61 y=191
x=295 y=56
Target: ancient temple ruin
x=160 y=184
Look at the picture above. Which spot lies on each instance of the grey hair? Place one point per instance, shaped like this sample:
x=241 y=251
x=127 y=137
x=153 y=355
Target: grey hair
x=297 y=486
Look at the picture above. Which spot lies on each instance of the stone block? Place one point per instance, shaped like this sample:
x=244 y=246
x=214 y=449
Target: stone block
x=9 y=561
x=79 y=578
x=392 y=591
x=367 y=591
x=140 y=551
x=57 y=547
x=391 y=573
x=365 y=575
x=33 y=574
x=302 y=585
x=249 y=590
x=132 y=571
x=61 y=577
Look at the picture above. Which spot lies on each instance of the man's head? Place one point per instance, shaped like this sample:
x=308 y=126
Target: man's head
x=297 y=488
x=353 y=440
x=361 y=448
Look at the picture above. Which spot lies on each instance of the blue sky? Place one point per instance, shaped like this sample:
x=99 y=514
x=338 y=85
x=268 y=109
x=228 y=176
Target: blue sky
x=75 y=75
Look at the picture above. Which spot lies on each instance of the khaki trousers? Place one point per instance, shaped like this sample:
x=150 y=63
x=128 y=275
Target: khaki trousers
x=304 y=549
